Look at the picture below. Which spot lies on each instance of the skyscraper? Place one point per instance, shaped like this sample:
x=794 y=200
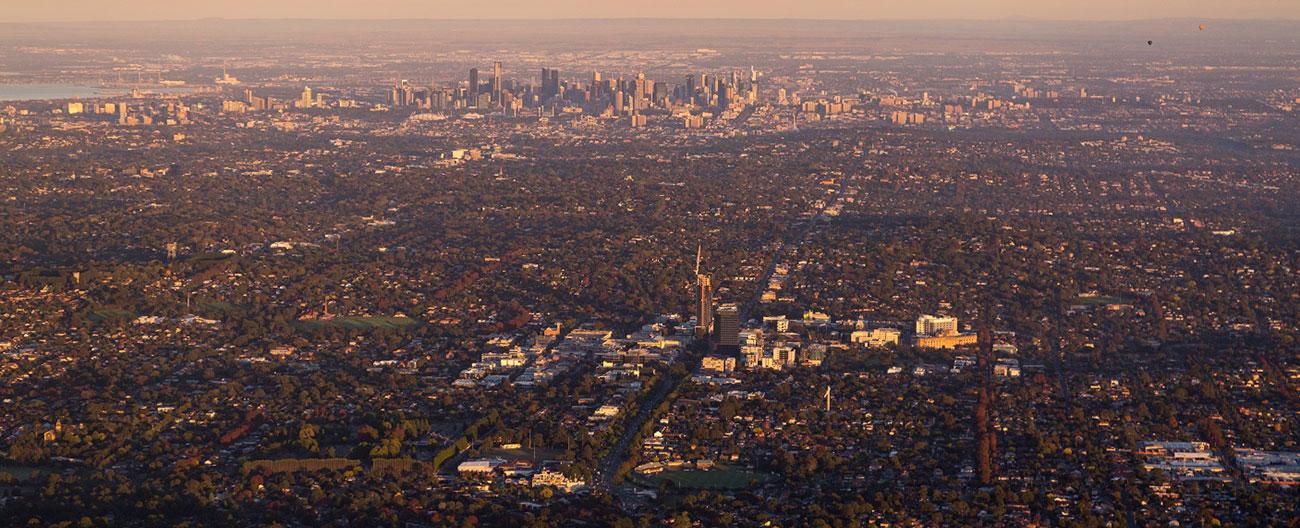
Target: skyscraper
x=638 y=93
x=550 y=83
x=306 y=100
x=496 y=82
x=726 y=97
x=729 y=327
x=752 y=95
x=704 y=310
x=473 y=86
x=403 y=94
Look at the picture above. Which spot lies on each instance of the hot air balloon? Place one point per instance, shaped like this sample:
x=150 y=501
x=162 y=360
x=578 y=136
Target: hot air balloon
x=1150 y=42
x=1202 y=27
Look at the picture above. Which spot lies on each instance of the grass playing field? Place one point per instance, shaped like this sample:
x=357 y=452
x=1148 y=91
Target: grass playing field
x=361 y=322
x=721 y=478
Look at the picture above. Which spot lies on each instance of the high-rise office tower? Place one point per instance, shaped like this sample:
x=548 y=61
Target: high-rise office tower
x=638 y=93
x=306 y=100
x=473 y=86
x=729 y=327
x=704 y=311
x=726 y=97
x=403 y=94
x=753 y=85
x=496 y=82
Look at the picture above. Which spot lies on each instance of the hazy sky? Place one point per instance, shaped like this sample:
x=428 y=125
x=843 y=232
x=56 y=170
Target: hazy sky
x=78 y=10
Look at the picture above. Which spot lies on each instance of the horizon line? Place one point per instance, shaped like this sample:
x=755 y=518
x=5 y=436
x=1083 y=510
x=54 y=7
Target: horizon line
x=1013 y=18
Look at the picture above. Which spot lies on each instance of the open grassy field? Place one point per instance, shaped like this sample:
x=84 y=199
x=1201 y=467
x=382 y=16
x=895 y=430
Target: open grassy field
x=1101 y=299
x=100 y=315
x=19 y=472
x=360 y=322
x=221 y=308
x=721 y=478
x=524 y=453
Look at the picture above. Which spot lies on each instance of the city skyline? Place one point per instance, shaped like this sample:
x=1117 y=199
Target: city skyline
x=1102 y=10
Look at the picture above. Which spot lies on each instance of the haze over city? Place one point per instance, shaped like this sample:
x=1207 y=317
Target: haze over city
x=87 y=10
